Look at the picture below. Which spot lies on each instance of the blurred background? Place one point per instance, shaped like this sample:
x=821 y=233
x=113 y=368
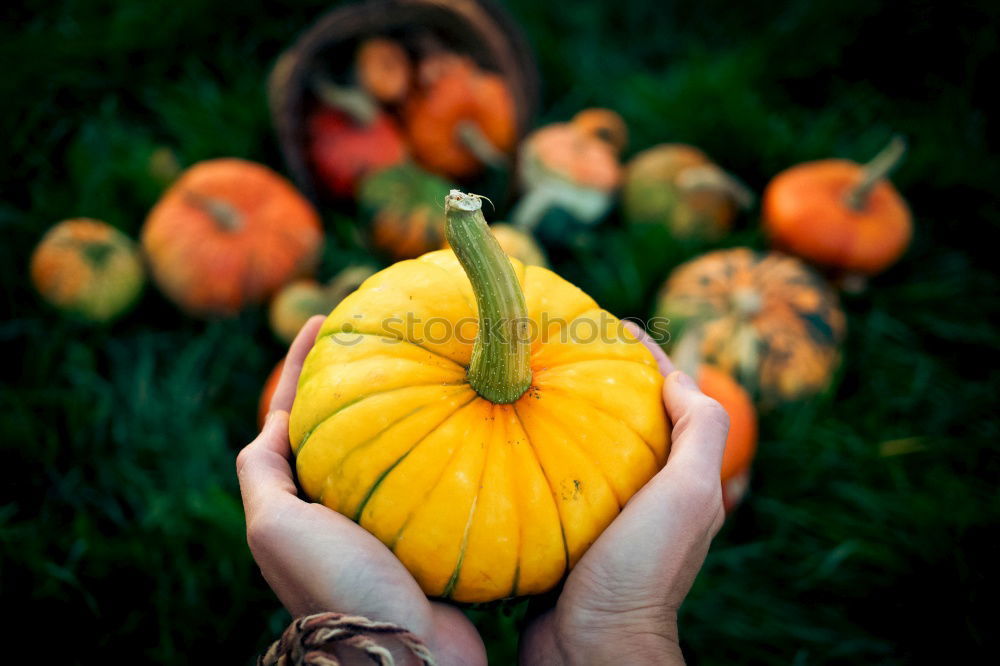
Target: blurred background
x=869 y=533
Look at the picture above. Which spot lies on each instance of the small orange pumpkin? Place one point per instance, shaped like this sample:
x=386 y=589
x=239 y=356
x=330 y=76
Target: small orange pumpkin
x=383 y=68
x=840 y=214
x=679 y=187
x=605 y=125
x=292 y=306
x=461 y=118
x=270 y=386
x=229 y=233
x=404 y=205
x=765 y=318
x=88 y=268
x=562 y=166
x=741 y=443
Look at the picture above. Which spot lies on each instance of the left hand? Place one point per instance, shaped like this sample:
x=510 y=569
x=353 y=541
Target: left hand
x=317 y=560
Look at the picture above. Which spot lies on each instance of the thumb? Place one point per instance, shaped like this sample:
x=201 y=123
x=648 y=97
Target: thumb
x=701 y=425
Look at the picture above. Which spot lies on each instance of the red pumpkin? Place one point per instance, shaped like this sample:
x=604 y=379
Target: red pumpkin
x=343 y=150
x=840 y=214
x=229 y=233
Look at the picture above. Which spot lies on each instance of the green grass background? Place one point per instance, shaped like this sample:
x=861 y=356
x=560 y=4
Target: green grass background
x=121 y=531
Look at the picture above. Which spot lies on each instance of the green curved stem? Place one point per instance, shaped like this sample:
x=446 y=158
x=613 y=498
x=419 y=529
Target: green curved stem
x=880 y=166
x=222 y=212
x=500 y=370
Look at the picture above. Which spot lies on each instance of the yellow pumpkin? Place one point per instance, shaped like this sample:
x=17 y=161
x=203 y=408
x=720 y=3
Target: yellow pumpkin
x=486 y=457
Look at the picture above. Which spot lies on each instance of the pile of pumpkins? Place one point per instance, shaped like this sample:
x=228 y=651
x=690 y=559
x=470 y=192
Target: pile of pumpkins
x=401 y=131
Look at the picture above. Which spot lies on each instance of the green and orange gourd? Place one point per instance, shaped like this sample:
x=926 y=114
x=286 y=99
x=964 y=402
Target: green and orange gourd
x=677 y=186
x=88 y=269
x=403 y=207
x=764 y=317
x=485 y=452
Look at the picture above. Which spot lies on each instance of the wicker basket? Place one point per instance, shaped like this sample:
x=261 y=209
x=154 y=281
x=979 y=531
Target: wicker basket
x=479 y=29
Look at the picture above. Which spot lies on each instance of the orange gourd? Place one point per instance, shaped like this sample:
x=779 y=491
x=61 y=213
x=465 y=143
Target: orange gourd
x=486 y=453
x=229 y=233
x=840 y=214
x=741 y=443
x=562 y=166
x=605 y=125
x=88 y=268
x=383 y=68
x=461 y=118
x=679 y=187
x=765 y=318
x=270 y=386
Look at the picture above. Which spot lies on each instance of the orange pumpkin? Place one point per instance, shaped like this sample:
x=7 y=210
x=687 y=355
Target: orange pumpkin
x=404 y=205
x=292 y=306
x=563 y=167
x=679 y=187
x=605 y=125
x=270 y=386
x=461 y=118
x=87 y=268
x=765 y=318
x=840 y=214
x=383 y=68
x=229 y=233
x=741 y=443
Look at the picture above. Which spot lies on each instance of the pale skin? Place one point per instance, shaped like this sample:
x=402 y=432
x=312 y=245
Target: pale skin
x=618 y=605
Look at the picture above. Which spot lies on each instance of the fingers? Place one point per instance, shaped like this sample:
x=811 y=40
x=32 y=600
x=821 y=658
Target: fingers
x=262 y=466
x=285 y=393
x=662 y=360
x=701 y=425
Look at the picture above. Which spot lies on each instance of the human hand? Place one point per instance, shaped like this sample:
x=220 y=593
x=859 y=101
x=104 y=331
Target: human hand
x=619 y=603
x=317 y=560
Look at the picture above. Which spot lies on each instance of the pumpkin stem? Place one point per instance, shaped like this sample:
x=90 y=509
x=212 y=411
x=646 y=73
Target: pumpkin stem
x=880 y=166
x=476 y=142
x=500 y=370
x=355 y=102
x=711 y=177
x=222 y=212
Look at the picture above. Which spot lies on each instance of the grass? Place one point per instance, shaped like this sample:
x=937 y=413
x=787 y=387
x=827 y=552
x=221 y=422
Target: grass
x=869 y=535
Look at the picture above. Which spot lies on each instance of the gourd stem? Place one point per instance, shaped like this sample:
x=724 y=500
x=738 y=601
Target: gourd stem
x=222 y=212
x=500 y=370
x=355 y=102
x=476 y=142
x=887 y=159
